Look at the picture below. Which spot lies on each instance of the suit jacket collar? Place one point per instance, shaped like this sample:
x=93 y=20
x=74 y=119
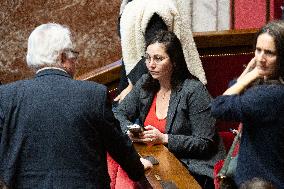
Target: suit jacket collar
x=52 y=72
x=146 y=101
x=174 y=101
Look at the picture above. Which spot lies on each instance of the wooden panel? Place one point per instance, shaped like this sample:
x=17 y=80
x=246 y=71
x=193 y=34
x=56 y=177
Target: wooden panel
x=104 y=75
x=168 y=169
x=225 y=42
x=224 y=38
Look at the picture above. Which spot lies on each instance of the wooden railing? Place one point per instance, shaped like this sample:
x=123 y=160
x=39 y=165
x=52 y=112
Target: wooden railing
x=209 y=44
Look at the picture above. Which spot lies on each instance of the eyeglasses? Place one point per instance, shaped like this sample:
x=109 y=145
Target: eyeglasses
x=156 y=58
x=71 y=53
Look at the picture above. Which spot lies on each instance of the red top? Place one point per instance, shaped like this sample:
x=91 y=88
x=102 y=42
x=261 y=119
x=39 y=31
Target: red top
x=153 y=120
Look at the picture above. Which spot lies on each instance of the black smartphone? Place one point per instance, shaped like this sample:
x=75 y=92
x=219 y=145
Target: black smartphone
x=135 y=129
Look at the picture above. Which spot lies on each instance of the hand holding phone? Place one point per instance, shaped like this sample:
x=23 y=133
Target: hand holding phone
x=135 y=129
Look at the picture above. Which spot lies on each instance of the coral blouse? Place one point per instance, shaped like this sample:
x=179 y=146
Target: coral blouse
x=153 y=120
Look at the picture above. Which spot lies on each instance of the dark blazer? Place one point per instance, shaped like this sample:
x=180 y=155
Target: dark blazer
x=55 y=132
x=190 y=126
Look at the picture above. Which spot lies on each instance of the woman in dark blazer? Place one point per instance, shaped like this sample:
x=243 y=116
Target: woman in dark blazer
x=173 y=107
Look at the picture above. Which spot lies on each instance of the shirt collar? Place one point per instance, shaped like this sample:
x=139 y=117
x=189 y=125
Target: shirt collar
x=281 y=80
x=50 y=68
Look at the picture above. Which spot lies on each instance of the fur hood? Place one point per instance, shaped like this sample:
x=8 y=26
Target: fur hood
x=176 y=15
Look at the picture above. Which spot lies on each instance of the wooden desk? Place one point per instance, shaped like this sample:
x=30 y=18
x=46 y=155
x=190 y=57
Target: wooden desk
x=168 y=169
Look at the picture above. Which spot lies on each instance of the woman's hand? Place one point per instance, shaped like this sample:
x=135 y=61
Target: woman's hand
x=124 y=93
x=250 y=74
x=153 y=136
x=133 y=138
x=251 y=65
x=146 y=163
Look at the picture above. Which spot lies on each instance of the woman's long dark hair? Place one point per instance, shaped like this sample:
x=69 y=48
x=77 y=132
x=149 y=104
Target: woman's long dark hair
x=174 y=50
x=276 y=30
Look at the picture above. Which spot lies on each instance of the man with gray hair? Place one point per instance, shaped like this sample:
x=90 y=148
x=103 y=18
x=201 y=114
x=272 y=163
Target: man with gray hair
x=54 y=130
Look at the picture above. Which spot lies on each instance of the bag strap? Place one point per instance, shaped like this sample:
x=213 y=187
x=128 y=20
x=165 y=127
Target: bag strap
x=223 y=172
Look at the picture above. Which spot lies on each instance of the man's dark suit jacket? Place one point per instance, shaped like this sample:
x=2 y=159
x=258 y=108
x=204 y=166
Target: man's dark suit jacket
x=55 y=132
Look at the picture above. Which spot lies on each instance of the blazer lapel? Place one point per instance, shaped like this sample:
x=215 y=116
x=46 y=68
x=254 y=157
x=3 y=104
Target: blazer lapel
x=146 y=102
x=174 y=101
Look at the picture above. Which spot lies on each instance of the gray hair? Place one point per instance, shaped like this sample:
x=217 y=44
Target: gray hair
x=46 y=43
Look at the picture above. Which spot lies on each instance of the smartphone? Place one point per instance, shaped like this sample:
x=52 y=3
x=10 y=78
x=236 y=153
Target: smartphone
x=135 y=129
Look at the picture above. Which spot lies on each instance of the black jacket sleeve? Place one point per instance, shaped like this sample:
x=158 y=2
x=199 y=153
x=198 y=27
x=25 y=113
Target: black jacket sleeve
x=137 y=72
x=119 y=145
x=123 y=82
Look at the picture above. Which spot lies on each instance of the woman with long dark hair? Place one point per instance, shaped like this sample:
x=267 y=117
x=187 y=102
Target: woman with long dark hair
x=172 y=106
x=139 y=21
